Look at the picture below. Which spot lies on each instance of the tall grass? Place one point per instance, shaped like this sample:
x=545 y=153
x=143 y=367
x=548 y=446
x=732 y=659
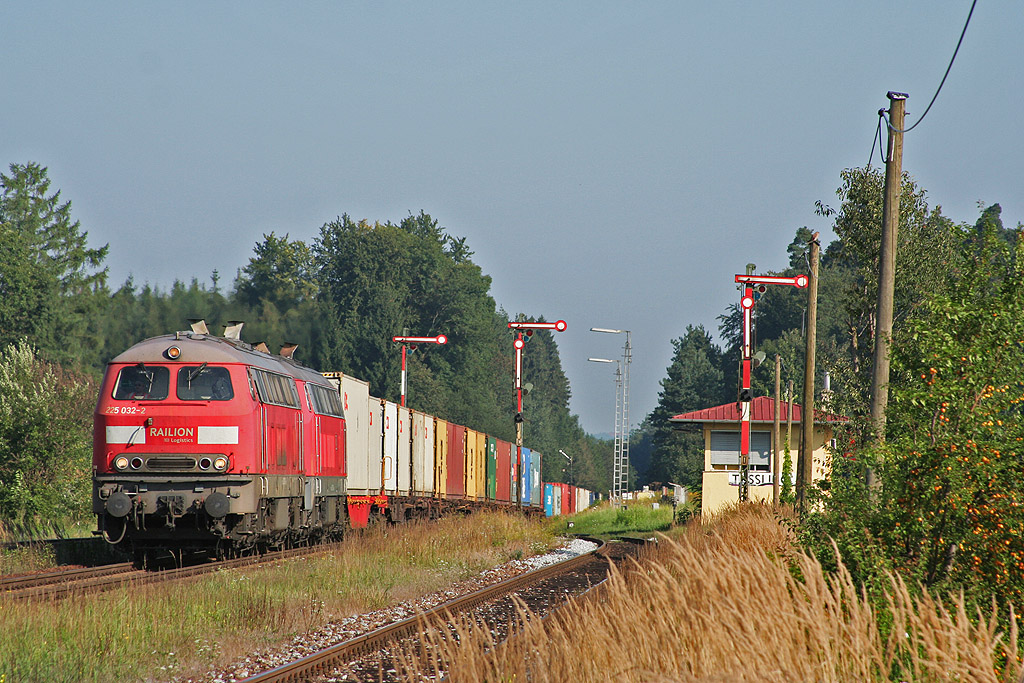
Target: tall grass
x=165 y=630
x=733 y=600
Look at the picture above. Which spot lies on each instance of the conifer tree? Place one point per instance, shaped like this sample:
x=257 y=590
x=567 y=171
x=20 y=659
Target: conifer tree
x=51 y=281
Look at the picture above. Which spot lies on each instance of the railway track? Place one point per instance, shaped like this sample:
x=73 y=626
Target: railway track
x=22 y=582
x=60 y=584
x=584 y=570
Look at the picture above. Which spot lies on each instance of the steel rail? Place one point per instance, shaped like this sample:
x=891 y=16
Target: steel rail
x=595 y=592
x=21 y=581
x=62 y=586
x=325 y=660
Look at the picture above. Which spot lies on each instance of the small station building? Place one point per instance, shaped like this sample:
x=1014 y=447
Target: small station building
x=721 y=428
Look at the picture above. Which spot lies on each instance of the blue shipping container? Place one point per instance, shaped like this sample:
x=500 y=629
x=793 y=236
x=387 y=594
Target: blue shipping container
x=549 y=500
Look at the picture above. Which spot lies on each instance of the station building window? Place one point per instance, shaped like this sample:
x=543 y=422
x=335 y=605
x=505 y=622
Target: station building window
x=725 y=450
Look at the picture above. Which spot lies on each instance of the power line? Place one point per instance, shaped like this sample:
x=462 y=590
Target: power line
x=939 y=89
x=877 y=138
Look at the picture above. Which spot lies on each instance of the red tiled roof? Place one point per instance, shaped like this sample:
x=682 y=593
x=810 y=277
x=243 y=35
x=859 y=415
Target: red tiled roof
x=762 y=409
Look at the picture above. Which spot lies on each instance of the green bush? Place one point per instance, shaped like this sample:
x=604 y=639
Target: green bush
x=949 y=511
x=45 y=443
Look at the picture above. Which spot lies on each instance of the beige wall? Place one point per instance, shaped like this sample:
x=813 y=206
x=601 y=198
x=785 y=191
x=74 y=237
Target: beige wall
x=716 y=491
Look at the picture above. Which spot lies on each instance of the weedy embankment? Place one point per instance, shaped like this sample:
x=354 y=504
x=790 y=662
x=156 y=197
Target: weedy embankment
x=734 y=600
x=166 y=631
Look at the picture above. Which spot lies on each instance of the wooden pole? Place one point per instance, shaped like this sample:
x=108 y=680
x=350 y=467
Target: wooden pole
x=805 y=471
x=887 y=270
x=789 y=420
x=777 y=460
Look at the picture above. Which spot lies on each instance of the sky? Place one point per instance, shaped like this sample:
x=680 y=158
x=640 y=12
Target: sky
x=610 y=164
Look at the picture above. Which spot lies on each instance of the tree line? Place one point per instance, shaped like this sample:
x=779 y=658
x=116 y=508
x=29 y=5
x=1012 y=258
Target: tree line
x=340 y=298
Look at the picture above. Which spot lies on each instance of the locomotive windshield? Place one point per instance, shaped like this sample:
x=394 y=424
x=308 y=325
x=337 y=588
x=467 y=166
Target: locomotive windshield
x=142 y=383
x=202 y=383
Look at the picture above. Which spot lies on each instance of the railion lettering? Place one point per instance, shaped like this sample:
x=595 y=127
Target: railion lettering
x=187 y=432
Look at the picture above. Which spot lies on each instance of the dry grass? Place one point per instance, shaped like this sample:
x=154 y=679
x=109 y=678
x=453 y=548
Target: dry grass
x=166 y=630
x=732 y=600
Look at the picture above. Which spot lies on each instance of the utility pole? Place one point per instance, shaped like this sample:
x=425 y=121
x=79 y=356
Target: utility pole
x=789 y=424
x=805 y=472
x=776 y=464
x=887 y=269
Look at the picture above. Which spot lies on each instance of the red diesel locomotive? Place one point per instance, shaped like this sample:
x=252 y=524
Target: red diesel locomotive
x=207 y=443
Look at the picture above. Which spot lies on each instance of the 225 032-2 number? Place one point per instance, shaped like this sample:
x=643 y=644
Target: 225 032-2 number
x=125 y=410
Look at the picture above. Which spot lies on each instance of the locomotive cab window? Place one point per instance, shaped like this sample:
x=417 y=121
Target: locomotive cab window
x=142 y=383
x=203 y=383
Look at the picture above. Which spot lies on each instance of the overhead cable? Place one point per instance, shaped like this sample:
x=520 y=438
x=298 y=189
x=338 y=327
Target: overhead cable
x=939 y=89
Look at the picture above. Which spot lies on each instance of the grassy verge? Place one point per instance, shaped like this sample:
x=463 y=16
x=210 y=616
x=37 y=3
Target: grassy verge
x=36 y=556
x=733 y=600
x=164 y=631
x=638 y=517
x=27 y=558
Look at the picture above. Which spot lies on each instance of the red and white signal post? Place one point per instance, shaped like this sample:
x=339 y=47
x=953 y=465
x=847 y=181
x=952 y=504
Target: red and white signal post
x=407 y=341
x=753 y=287
x=527 y=328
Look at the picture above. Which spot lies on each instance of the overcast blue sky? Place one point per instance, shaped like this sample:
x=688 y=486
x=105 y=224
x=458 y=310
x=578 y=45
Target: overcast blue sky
x=612 y=164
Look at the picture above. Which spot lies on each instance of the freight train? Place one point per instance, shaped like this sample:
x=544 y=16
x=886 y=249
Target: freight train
x=209 y=444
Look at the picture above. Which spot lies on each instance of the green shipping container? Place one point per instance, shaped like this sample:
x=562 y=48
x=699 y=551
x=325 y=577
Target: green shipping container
x=492 y=468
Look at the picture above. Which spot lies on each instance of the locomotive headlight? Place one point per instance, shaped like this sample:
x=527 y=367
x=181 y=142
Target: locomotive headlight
x=220 y=464
x=121 y=463
x=173 y=352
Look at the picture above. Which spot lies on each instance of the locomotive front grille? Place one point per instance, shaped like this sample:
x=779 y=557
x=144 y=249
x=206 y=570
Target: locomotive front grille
x=171 y=462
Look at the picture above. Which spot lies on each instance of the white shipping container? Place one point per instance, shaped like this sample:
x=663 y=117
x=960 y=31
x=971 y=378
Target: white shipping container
x=536 y=488
x=404 y=452
x=375 y=447
x=422 y=453
x=354 y=396
x=390 y=475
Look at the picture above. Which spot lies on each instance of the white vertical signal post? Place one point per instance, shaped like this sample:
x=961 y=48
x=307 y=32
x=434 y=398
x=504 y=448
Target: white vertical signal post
x=747 y=301
x=406 y=342
x=527 y=328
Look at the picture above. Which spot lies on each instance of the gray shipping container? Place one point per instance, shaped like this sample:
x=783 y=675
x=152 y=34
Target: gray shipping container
x=536 y=487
